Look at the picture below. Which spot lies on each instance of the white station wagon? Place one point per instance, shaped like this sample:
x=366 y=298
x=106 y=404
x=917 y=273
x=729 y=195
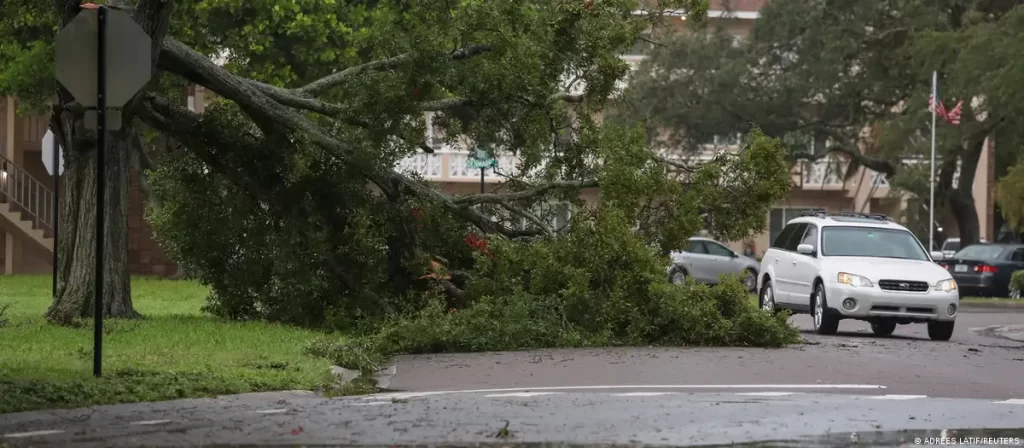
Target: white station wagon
x=857 y=266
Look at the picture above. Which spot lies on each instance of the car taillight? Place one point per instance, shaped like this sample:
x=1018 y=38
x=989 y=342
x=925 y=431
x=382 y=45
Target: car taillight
x=986 y=268
x=944 y=266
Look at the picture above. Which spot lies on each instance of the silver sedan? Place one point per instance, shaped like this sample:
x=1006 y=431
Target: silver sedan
x=705 y=260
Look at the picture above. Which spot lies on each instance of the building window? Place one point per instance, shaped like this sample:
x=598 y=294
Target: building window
x=780 y=216
x=726 y=140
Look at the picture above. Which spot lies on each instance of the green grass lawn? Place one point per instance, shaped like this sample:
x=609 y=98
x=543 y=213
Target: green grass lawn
x=174 y=352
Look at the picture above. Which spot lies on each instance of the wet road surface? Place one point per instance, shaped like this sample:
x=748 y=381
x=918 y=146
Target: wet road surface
x=479 y=417
x=971 y=365
x=849 y=382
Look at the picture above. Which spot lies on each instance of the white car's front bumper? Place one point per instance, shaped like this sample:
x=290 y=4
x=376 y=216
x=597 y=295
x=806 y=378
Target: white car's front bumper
x=875 y=302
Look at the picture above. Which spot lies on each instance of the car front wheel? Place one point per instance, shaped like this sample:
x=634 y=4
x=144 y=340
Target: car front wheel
x=768 y=297
x=825 y=322
x=940 y=330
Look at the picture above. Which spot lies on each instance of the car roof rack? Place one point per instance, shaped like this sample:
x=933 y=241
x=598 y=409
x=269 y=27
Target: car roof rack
x=874 y=216
x=817 y=213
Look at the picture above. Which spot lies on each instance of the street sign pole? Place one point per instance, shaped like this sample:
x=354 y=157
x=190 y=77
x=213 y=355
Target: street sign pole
x=482 y=180
x=101 y=148
x=56 y=208
x=103 y=71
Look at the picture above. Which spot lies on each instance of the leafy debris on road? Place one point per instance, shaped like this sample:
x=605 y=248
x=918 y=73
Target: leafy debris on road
x=973 y=350
x=504 y=433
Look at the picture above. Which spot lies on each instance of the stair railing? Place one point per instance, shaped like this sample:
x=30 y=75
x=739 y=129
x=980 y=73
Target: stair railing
x=26 y=194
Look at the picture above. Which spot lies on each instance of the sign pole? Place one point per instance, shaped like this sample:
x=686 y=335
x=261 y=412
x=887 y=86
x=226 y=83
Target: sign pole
x=118 y=56
x=56 y=208
x=931 y=180
x=101 y=147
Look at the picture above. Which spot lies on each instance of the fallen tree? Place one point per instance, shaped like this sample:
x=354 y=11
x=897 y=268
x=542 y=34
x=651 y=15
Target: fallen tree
x=283 y=194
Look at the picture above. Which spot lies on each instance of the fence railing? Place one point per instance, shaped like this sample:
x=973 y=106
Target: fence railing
x=26 y=194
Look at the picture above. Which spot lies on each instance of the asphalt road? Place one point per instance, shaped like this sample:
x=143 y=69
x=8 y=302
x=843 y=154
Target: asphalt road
x=852 y=382
x=299 y=419
x=974 y=364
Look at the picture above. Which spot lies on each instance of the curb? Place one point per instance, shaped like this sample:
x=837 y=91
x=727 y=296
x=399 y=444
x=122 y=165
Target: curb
x=1008 y=305
x=382 y=377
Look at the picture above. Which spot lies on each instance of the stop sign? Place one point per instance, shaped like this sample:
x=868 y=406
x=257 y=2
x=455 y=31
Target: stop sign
x=128 y=57
x=48 y=141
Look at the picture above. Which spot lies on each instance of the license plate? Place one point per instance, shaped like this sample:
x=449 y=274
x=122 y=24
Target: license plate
x=960 y=268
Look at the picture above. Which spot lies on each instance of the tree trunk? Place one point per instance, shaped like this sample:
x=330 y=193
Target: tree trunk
x=962 y=206
x=961 y=198
x=76 y=247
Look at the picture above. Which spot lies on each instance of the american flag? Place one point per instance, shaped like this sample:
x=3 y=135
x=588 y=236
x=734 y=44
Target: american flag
x=952 y=116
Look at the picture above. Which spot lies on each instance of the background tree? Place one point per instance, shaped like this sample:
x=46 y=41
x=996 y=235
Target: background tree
x=819 y=73
x=1010 y=194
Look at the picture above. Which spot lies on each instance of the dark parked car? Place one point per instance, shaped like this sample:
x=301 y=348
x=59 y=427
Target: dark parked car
x=985 y=269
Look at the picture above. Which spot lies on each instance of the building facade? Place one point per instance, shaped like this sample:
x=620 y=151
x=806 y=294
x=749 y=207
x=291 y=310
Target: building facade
x=27 y=204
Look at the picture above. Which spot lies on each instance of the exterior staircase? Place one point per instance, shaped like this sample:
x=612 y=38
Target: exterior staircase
x=26 y=206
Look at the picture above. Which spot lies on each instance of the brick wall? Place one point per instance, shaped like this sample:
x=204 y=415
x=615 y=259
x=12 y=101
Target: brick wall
x=144 y=254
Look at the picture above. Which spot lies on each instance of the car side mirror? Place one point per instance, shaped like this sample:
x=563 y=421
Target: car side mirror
x=805 y=249
x=735 y=255
x=938 y=255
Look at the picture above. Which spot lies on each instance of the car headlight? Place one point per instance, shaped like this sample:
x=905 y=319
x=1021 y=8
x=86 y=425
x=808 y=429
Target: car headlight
x=854 y=280
x=947 y=285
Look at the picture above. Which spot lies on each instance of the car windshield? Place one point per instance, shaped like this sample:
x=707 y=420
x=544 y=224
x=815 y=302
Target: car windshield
x=980 y=252
x=870 y=242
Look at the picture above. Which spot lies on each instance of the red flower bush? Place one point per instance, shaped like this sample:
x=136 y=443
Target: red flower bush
x=476 y=242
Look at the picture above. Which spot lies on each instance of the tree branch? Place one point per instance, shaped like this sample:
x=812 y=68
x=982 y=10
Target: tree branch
x=338 y=78
x=502 y=198
x=262 y=108
x=451 y=103
x=529 y=217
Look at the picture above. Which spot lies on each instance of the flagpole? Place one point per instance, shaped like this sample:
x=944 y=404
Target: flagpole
x=931 y=180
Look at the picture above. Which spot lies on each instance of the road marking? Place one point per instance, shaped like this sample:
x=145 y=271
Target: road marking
x=522 y=394
x=45 y=432
x=375 y=403
x=150 y=422
x=896 y=397
x=643 y=394
x=402 y=395
x=767 y=394
x=1011 y=401
x=272 y=411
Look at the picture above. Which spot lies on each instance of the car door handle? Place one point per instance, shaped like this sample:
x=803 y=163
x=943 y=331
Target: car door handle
x=794 y=263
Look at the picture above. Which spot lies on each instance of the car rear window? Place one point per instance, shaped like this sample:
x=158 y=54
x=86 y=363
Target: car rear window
x=951 y=245
x=980 y=252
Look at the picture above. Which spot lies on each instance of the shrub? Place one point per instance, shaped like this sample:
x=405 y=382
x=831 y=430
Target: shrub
x=1017 y=281
x=599 y=285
